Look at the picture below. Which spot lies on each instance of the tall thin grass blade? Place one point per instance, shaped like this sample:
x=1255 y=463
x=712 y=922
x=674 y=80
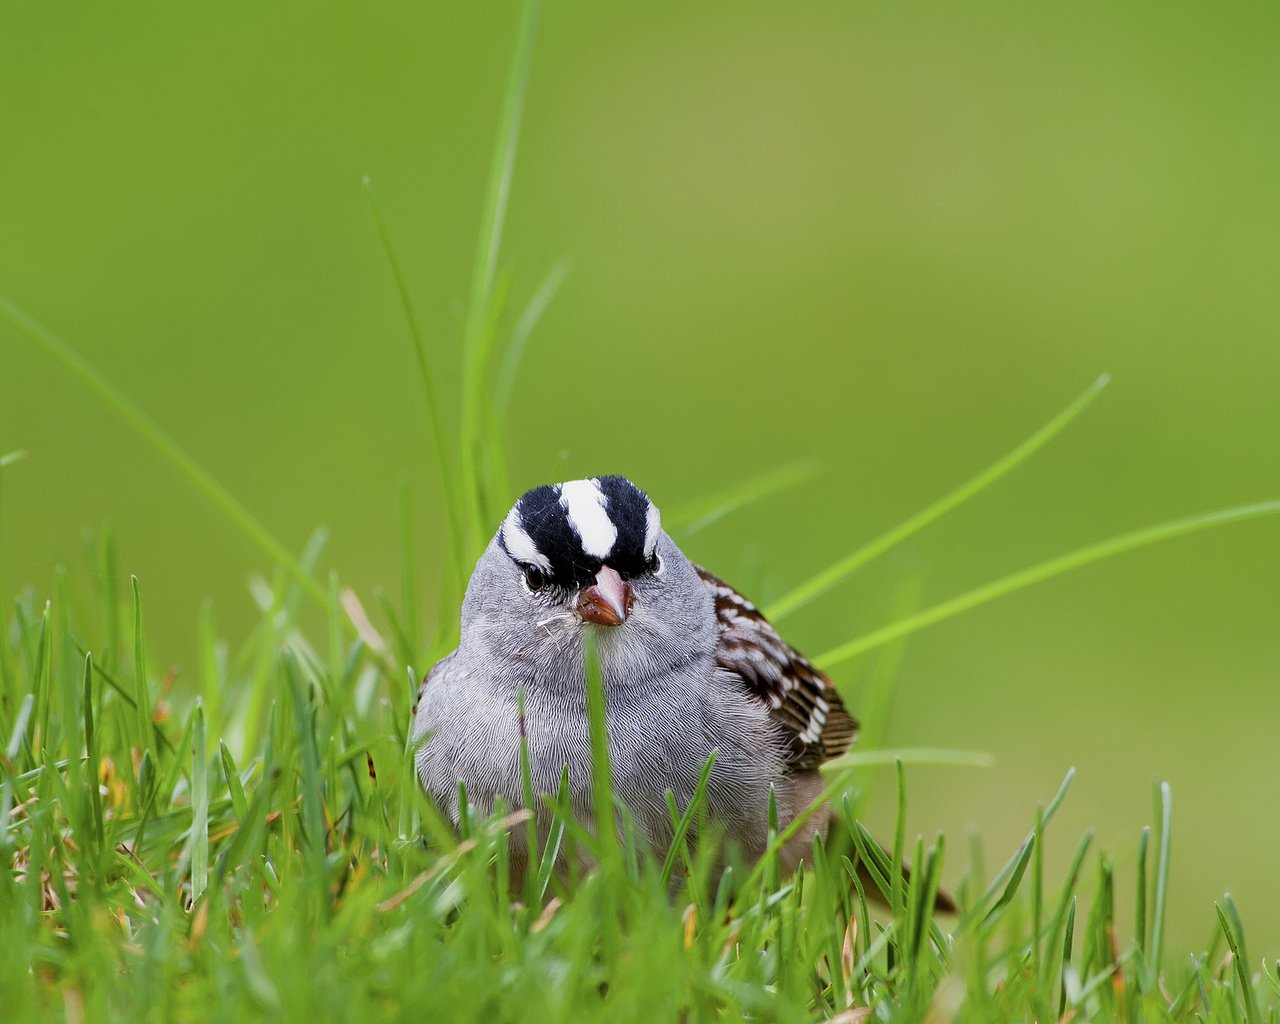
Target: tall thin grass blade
x=528 y=320
x=686 y=520
x=426 y=378
x=601 y=762
x=199 y=807
x=1017 y=864
x=686 y=820
x=1043 y=571
x=1068 y=938
x=1230 y=924
x=93 y=770
x=832 y=575
x=477 y=339
x=141 y=694
x=408 y=564
x=897 y=901
x=43 y=685
x=1164 y=822
x=1244 y=972
x=159 y=438
x=239 y=805
x=1140 y=895
x=908 y=755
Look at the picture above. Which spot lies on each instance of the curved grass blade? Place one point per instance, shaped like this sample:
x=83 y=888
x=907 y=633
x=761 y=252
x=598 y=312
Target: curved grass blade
x=529 y=319
x=602 y=792
x=158 y=437
x=6 y=461
x=1041 y=572
x=1010 y=876
x=91 y=752
x=1231 y=928
x=1164 y=810
x=477 y=338
x=689 y=519
x=909 y=755
x=685 y=821
x=829 y=577
x=427 y=377
x=199 y=807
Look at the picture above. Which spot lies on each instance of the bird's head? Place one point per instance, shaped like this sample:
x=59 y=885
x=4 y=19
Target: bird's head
x=586 y=554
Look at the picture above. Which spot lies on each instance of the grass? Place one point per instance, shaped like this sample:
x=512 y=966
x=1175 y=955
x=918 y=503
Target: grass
x=166 y=864
x=254 y=846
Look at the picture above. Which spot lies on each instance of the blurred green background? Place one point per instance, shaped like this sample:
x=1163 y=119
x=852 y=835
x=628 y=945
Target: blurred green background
x=894 y=237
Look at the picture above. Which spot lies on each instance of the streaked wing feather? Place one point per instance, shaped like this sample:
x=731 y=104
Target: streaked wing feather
x=801 y=699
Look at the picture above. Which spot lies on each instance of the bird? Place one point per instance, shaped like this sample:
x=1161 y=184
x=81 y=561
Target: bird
x=689 y=668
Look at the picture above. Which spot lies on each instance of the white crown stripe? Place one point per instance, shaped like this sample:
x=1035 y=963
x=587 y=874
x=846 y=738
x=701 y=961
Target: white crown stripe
x=652 y=527
x=583 y=502
x=519 y=544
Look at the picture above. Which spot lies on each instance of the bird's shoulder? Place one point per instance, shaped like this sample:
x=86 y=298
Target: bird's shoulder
x=436 y=674
x=800 y=698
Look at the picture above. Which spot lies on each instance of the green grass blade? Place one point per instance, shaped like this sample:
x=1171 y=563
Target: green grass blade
x=1068 y=937
x=1017 y=864
x=43 y=685
x=1043 y=571
x=91 y=751
x=1019 y=869
x=314 y=829
x=1140 y=895
x=1037 y=889
x=908 y=755
x=1164 y=809
x=686 y=820
x=1065 y=902
x=1241 y=957
x=1239 y=962
x=141 y=695
x=408 y=563
x=601 y=763
x=6 y=679
x=18 y=734
x=832 y=575
x=6 y=461
x=478 y=331
x=239 y=805
x=107 y=563
x=528 y=320
x=426 y=376
x=687 y=520
x=199 y=807
x=158 y=437
x=555 y=840
x=212 y=659
x=896 y=900
x=533 y=869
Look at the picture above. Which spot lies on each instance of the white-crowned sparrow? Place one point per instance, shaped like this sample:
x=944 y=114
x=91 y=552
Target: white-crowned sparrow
x=688 y=666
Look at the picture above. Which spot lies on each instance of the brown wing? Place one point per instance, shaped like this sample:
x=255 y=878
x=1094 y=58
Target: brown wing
x=801 y=699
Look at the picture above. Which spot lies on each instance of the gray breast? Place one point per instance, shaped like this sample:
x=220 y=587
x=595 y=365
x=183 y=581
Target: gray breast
x=660 y=736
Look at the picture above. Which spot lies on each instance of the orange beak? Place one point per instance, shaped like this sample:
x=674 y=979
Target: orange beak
x=607 y=601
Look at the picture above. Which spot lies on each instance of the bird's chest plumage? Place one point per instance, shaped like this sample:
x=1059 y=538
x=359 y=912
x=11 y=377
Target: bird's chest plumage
x=660 y=737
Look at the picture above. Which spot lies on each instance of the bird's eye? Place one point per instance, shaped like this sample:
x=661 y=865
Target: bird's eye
x=654 y=565
x=534 y=578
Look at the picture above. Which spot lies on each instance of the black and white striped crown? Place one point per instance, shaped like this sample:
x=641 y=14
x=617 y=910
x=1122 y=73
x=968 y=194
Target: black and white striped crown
x=569 y=530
